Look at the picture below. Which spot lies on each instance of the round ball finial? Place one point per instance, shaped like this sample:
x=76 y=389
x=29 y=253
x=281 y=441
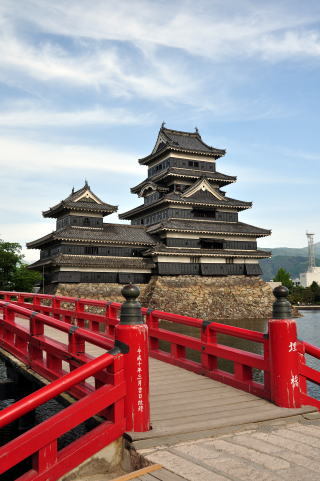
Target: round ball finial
x=281 y=307
x=280 y=291
x=130 y=292
x=130 y=312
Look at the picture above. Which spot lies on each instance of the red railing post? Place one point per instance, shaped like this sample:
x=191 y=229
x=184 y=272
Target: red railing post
x=56 y=305
x=284 y=356
x=131 y=336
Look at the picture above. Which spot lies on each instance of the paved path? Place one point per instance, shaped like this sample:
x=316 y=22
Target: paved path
x=267 y=453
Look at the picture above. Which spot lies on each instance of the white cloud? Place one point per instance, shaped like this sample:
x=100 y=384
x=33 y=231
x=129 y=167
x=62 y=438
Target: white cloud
x=29 y=155
x=95 y=66
x=210 y=28
x=28 y=115
x=88 y=57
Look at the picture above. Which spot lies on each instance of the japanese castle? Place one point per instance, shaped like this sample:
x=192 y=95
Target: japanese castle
x=185 y=225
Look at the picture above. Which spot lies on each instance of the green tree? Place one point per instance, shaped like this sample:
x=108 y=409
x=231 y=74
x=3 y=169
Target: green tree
x=14 y=274
x=296 y=295
x=283 y=276
x=315 y=288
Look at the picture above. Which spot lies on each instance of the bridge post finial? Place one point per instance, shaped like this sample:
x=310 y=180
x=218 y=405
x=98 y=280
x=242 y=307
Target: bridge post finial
x=131 y=309
x=131 y=336
x=282 y=308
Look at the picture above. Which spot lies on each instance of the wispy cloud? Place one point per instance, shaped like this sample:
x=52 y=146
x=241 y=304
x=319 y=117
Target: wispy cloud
x=31 y=155
x=93 y=66
x=30 y=115
x=207 y=28
x=86 y=46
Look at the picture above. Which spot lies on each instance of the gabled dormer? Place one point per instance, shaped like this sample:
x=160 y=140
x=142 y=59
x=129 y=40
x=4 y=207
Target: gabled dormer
x=203 y=185
x=82 y=208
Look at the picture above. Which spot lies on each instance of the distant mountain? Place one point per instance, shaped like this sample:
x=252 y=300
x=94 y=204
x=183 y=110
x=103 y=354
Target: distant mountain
x=293 y=260
x=293 y=251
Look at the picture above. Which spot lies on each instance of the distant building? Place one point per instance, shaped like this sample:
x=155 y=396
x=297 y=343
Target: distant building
x=186 y=224
x=307 y=278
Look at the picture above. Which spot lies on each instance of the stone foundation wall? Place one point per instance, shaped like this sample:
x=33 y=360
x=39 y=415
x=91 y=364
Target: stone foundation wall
x=232 y=297
x=106 y=292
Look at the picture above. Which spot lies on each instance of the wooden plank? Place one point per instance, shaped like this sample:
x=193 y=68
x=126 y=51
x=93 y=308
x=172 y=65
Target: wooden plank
x=148 y=477
x=205 y=401
x=208 y=411
x=138 y=473
x=165 y=475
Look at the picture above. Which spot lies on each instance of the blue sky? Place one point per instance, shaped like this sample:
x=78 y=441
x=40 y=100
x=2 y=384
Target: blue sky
x=85 y=85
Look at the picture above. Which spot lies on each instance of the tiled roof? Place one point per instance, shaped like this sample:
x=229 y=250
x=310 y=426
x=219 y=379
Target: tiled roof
x=209 y=227
x=85 y=204
x=181 y=141
x=187 y=140
x=199 y=198
x=222 y=179
x=95 y=261
x=205 y=197
x=113 y=233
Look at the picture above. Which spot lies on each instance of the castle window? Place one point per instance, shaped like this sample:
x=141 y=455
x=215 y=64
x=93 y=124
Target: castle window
x=91 y=250
x=229 y=260
x=193 y=163
x=211 y=243
x=207 y=213
x=86 y=221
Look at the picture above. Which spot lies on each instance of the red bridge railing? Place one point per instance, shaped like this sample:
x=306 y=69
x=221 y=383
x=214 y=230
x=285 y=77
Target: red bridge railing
x=41 y=442
x=210 y=351
x=106 y=316
x=110 y=392
x=282 y=359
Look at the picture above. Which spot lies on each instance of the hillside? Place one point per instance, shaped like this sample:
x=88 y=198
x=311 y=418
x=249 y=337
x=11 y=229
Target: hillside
x=293 y=260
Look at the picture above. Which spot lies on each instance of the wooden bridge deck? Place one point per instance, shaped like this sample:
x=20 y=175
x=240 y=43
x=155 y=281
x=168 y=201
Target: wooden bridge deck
x=185 y=405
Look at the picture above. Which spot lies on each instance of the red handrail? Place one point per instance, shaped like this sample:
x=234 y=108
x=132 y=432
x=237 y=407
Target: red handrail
x=28 y=403
x=85 y=334
x=109 y=397
x=206 y=345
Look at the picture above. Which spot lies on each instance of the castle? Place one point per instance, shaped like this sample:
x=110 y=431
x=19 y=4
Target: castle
x=185 y=226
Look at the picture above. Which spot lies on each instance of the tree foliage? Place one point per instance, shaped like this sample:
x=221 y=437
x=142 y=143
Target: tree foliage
x=283 y=276
x=14 y=274
x=305 y=295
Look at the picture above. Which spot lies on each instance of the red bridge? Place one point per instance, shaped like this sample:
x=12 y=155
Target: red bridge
x=64 y=340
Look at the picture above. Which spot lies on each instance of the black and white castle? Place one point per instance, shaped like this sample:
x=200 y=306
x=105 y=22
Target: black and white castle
x=186 y=225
